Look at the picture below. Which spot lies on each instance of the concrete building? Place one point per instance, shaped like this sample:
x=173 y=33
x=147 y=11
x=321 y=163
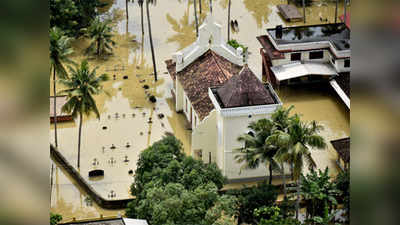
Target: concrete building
x=219 y=95
x=315 y=53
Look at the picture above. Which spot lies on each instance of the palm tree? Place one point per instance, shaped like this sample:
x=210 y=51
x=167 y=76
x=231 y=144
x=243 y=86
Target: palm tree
x=195 y=17
x=140 y=2
x=229 y=20
x=302 y=136
x=280 y=139
x=60 y=49
x=256 y=150
x=336 y=11
x=200 y=6
x=100 y=33
x=304 y=10
x=151 y=38
x=81 y=87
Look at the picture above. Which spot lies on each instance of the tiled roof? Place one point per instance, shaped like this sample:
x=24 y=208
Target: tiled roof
x=244 y=89
x=206 y=71
x=342 y=146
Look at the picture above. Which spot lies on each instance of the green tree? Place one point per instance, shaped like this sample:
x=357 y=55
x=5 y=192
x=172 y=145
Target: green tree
x=256 y=151
x=172 y=188
x=81 y=87
x=303 y=136
x=343 y=184
x=60 y=49
x=251 y=198
x=55 y=218
x=272 y=216
x=71 y=15
x=319 y=192
x=100 y=32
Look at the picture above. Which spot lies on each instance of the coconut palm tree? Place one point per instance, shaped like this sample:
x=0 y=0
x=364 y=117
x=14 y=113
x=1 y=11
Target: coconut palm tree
x=140 y=2
x=151 y=38
x=229 y=20
x=280 y=139
x=303 y=136
x=256 y=150
x=304 y=10
x=195 y=17
x=100 y=33
x=200 y=6
x=81 y=87
x=336 y=11
x=60 y=49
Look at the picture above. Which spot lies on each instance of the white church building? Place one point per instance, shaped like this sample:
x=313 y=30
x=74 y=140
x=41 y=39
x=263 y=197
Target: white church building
x=219 y=95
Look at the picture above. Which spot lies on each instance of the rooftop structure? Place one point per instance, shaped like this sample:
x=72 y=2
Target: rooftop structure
x=208 y=62
x=244 y=89
x=209 y=69
x=332 y=35
x=308 y=54
x=219 y=95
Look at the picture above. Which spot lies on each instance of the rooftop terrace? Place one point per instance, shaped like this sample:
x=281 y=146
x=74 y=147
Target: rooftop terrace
x=338 y=34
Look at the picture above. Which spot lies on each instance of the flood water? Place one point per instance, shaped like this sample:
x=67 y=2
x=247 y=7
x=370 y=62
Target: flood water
x=126 y=110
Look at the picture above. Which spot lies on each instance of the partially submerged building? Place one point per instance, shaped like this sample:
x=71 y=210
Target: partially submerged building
x=307 y=54
x=219 y=95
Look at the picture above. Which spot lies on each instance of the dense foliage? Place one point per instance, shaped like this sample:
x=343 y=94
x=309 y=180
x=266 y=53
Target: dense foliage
x=172 y=188
x=55 y=218
x=343 y=184
x=273 y=216
x=73 y=15
x=319 y=193
x=251 y=198
x=100 y=34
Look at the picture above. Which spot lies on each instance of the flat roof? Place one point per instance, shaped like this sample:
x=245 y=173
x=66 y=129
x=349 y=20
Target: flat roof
x=337 y=33
x=298 y=69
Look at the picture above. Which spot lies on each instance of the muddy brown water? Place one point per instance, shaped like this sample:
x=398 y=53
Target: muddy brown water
x=125 y=111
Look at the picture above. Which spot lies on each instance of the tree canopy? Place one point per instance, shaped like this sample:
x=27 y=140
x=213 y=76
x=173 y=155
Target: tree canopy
x=73 y=15
x=172 y=188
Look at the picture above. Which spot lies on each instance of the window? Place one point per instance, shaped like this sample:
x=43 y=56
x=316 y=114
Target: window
x=347 y=63
x=317 y=55
x=295 y=56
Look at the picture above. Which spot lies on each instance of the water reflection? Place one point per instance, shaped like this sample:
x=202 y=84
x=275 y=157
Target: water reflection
x=259 y=10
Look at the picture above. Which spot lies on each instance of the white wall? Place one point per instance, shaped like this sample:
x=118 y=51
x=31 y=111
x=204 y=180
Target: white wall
x=305 y=56
x=204 y=137
x=179 y=94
